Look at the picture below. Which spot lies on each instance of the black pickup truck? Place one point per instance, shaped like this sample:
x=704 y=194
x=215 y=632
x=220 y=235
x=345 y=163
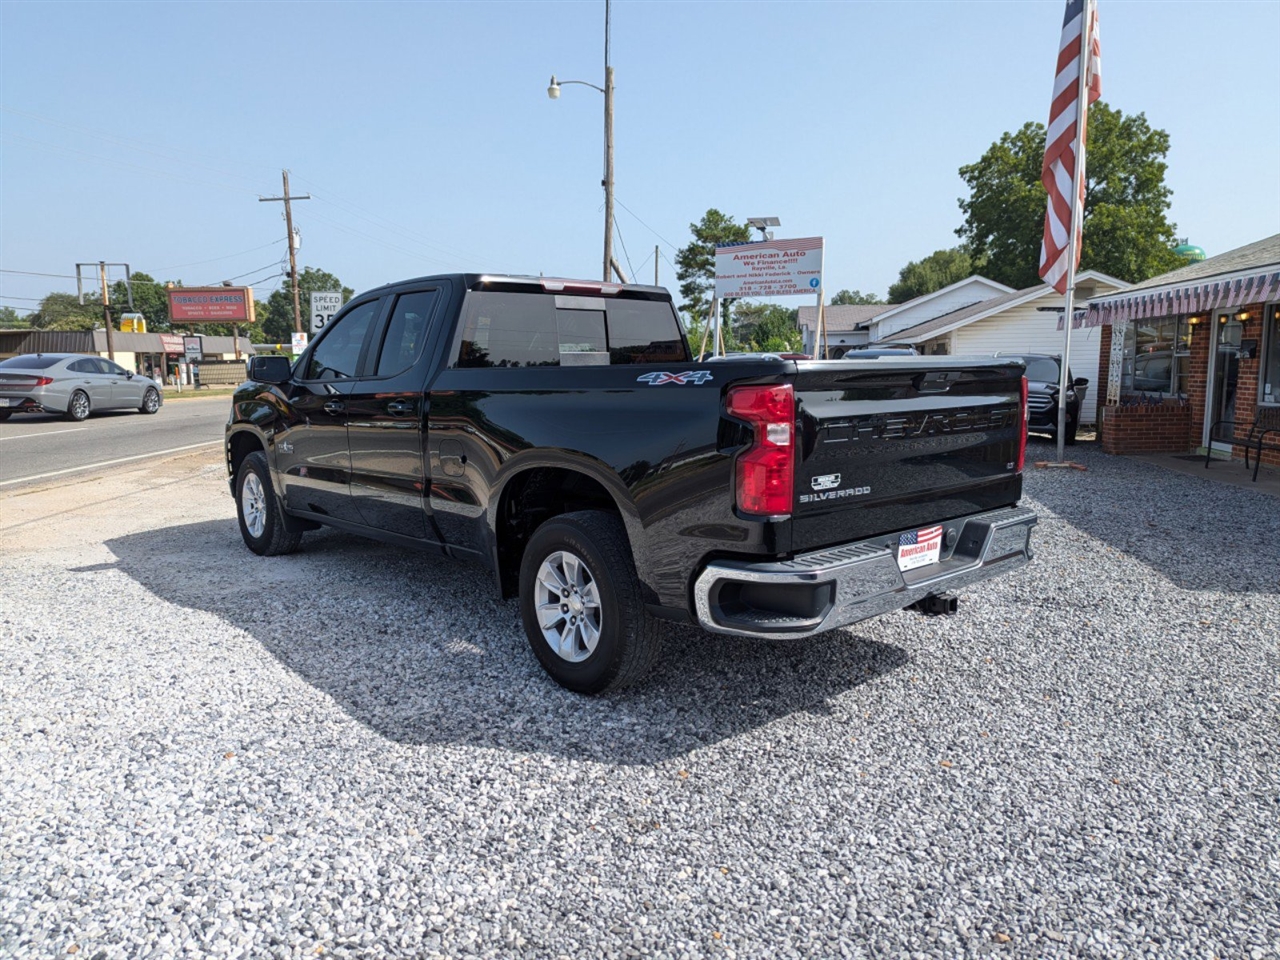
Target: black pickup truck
x=560 y=433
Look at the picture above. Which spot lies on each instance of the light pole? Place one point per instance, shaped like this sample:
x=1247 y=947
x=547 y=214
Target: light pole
x=553 y=91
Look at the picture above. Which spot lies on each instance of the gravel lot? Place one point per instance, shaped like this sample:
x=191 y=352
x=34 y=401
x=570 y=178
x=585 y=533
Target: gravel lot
x=351 y=751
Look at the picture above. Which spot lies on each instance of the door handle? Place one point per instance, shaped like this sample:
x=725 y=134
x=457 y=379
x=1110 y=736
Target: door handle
x=401 y=408
x=334 y=407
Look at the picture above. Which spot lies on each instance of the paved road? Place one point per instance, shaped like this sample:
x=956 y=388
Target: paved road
x=41 y=446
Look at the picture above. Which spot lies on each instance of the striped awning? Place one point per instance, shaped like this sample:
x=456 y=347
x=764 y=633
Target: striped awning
x=1183 y=299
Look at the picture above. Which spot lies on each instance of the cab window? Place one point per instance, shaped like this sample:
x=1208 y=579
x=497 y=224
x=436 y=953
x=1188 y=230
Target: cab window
x=336 y=356
x=503 y=329
x=406 y=332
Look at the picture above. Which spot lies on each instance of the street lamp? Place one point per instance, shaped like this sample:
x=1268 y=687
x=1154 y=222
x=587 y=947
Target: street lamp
x=761 y=223
x=553 y=91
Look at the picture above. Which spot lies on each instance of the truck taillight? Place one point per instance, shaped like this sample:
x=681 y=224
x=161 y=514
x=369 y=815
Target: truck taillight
x=1022 y=435
x=765 y=480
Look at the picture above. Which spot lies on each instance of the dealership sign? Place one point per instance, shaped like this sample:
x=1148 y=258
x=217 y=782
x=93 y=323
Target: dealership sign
x=211 y=305
x=770 y=268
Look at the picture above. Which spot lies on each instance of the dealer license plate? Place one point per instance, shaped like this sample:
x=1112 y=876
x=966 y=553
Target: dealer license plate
x=919 y=548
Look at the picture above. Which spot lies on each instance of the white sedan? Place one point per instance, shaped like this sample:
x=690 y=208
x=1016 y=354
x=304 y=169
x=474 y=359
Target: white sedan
x=74 y=385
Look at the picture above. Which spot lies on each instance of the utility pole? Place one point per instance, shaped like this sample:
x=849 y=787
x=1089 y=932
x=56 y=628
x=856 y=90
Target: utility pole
x=106 y=310
x=106 y=306
x=293 y=253
x=608 y=149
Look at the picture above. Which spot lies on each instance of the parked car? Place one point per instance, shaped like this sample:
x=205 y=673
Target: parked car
x=74 y=385
x=560 y=433
x=1043 y=373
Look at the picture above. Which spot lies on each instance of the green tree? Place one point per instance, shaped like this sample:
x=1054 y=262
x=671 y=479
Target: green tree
x=64 y=311
x=848 y=298
x=277 y=320
x=939 y=269
x=1127 y=233
x=11 y=320
x=149 y=299
x=696 y=263
x=766 y=326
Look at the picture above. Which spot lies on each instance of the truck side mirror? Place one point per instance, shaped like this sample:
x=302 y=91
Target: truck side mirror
x=270 y=369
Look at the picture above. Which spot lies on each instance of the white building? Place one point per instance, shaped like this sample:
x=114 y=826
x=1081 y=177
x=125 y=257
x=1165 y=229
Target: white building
x=1015 y=321
x=857 y=326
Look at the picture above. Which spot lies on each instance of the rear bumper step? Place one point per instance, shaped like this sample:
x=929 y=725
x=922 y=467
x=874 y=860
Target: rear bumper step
x=837 y=586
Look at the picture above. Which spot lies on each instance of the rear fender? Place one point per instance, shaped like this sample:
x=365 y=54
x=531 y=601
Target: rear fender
x=570 y=461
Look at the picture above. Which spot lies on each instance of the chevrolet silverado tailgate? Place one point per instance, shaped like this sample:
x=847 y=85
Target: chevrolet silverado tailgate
x=893 y=443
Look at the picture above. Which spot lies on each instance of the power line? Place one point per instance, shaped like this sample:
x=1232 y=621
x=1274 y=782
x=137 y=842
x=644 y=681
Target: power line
x=646 y=226
x=389 y=226
x=229 y=256
x=32 y=273
x=265 y=266
x=132 y=143
x=622 y=243
x=115 y=161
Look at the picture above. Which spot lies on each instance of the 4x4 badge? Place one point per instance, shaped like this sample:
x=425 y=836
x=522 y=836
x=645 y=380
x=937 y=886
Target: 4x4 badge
x=689 y=376
x=826 y=482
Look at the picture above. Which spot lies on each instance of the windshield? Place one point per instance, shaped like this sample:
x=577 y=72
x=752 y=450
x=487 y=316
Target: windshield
x=1041 y=368
x=31 y=361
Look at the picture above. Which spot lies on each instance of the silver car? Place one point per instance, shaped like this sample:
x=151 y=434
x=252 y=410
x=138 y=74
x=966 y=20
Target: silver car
x=73 y=385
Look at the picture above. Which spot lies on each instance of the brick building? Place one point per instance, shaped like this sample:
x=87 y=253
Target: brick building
x=1182 y=353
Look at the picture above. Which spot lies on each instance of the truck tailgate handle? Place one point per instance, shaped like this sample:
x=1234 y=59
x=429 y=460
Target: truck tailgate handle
x=334 y=406
x=936 y=381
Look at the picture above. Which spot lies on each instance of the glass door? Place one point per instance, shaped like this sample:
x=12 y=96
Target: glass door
x=1224 y=372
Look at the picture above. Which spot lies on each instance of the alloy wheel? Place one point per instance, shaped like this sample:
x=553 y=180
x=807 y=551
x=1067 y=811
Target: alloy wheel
x=253 y=505
x=568 y=606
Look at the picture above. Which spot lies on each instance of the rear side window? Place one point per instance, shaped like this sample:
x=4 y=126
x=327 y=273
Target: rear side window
x=31 y=361
x=406 y=332
x=83 y=366
x=644 y=331
x=548 y=330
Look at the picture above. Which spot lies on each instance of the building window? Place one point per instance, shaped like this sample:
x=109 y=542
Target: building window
x=1157 y=356
x=1269 y=373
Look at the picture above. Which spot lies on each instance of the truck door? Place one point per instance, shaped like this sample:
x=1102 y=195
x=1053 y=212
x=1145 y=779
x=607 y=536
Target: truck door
x=312 y=455
x=386 y=417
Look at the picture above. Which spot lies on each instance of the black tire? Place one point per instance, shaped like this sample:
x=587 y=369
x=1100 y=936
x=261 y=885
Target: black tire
x=150 y=401
x=5 y=414
x=629 y=639
x=78 y=407
x=258 y=510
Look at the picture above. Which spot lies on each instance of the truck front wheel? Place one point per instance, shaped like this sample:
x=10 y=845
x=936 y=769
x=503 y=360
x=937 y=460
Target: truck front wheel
x=261 y=523
x=581 y=604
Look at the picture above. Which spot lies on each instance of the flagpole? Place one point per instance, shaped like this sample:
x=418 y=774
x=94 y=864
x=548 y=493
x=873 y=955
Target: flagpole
x=1077 y=217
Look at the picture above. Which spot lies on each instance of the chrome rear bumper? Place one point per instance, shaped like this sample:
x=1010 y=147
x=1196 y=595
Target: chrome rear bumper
x=841 y=585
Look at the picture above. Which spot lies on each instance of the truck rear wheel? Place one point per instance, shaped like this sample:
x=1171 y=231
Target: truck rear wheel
x=261 y=523
x=581 y=605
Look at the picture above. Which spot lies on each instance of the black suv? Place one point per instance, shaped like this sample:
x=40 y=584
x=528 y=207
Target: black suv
x=1043 y=375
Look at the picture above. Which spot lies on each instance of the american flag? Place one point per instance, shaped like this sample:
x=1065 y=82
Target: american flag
x=923 y=537
x=1059 y=170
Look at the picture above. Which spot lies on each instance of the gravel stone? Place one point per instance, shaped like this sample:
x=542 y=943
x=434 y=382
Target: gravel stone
x=350 y=751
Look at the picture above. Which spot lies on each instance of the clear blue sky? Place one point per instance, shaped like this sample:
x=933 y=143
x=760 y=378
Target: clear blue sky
x=144 y=132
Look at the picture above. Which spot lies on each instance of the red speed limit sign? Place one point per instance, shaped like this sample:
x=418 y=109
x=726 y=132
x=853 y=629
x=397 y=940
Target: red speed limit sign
x=323 y=307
